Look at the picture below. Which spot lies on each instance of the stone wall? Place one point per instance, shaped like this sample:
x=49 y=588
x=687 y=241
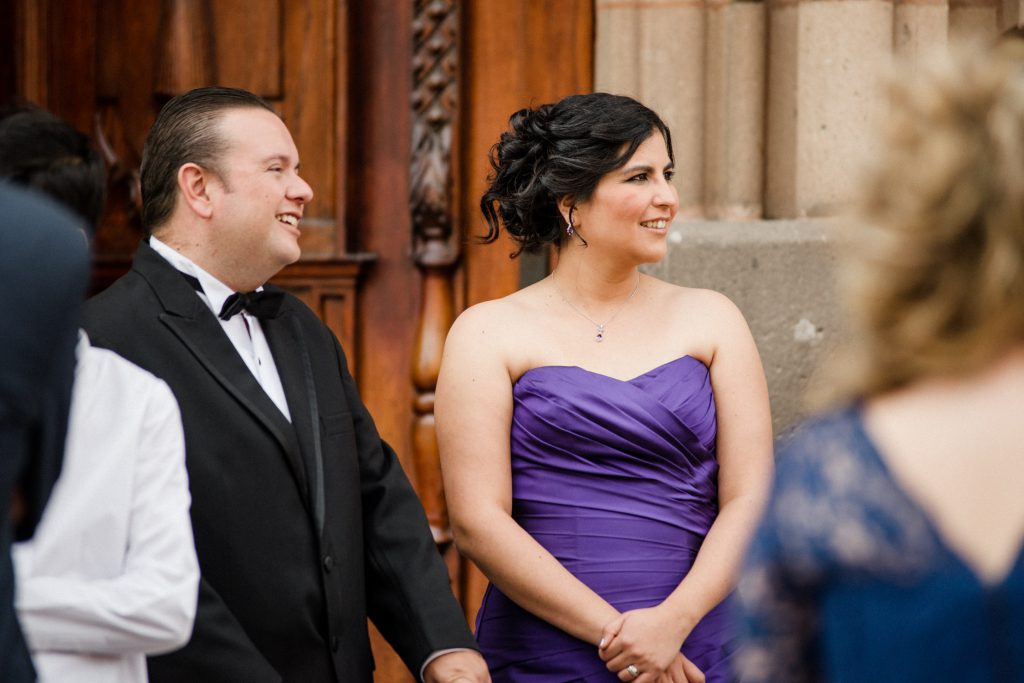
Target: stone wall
x=780 y=274
x=771 y=107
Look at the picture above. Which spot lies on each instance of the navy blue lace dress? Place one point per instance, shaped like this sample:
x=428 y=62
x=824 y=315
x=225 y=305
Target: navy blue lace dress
x=849 y=580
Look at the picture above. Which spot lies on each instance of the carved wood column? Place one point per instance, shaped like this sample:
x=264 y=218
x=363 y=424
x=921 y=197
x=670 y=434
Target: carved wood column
x=434 y=101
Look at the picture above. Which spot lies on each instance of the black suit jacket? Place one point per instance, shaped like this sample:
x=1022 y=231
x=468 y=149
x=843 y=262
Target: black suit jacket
x=44 y=265
x=303 y=529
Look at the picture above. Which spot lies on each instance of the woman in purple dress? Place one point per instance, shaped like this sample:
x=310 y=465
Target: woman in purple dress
x=605 y=436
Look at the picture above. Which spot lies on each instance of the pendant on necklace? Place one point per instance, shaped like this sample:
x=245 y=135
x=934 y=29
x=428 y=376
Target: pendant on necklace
x=600 y=334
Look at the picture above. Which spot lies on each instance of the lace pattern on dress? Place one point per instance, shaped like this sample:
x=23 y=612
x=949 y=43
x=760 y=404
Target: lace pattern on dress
x=835 y=511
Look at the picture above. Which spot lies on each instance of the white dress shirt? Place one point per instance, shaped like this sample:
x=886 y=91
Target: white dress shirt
x=111 y=573
x=243 y=330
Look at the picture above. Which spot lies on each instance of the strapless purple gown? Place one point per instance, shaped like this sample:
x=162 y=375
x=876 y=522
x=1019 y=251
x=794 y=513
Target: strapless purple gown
x=618 y=480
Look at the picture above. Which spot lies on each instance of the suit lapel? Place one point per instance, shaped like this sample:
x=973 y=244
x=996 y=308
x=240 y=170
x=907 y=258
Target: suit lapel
x=286 y=342
x=198 y=330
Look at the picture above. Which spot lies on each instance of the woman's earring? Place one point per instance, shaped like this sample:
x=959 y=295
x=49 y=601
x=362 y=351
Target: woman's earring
x=568 y=228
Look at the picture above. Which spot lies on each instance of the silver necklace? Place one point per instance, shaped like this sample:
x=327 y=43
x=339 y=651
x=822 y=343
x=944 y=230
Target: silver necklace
x=599 y=337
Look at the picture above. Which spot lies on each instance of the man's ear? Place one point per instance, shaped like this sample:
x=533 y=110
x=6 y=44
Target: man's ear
x=194 y=186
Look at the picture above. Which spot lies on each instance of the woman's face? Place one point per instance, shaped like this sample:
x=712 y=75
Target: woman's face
x=631 y=208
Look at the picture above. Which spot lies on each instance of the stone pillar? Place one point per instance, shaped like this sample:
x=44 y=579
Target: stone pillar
x=821 y=95
x=824 y=61
x=1011 y=13
x=918 y=27
x=616 y=47
x=654 y=50
x=734 y=134
x=974 y=18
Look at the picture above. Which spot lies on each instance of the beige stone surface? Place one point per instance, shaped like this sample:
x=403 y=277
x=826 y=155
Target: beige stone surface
x=781 y=275
x=734 y=130
x=840 y=99
x=653 y=50
x=918 y=28
x=814 y=68
x=974 y=19
x=616 y=54
x=672 y=83
x=781 y=110
x=828 y=57
x=1011 y=13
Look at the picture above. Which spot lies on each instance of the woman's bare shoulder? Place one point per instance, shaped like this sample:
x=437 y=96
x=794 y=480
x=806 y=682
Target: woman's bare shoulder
x=495 y=315
x=498 y=326
x=689 y=301
x=704 y=320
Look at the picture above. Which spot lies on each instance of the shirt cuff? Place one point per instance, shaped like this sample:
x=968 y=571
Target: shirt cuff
x=435 y=655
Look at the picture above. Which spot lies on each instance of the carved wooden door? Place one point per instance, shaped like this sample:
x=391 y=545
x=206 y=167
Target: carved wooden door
x=393 y=105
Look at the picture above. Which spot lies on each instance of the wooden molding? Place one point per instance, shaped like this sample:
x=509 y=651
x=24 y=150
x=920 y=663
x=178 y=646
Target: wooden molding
x=434 y=101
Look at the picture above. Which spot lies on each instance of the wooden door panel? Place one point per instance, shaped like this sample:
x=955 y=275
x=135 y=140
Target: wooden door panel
x=341 y=75
x=248 y=46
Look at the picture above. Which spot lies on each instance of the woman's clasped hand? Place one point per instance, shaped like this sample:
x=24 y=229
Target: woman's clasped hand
x=642 y=645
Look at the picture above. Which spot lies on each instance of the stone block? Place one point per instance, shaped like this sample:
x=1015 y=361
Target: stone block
x=825 y=61
x=919 y=27
x=672 y=45
x=616 y=50
x=1011 y=14
x=734 y=132
x=974 y=19
x=654 y=50
x=781 y=274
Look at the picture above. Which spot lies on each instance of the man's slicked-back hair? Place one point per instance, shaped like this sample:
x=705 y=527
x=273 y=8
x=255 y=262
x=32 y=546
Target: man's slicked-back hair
x=185 y=132
x=41 y=151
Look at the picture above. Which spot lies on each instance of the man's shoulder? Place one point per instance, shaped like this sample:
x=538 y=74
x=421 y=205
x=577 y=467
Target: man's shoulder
x=106 y=376
x=300 y=310
x=123 y=316
x=128 y=288
x=116 y=372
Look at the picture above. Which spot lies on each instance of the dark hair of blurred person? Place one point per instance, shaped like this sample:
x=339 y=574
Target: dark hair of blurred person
x=43 y=266
x=40 y=151
x=94 y=611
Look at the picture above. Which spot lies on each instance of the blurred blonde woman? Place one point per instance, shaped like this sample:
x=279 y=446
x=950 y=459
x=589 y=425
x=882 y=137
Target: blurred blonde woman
x=891 y=549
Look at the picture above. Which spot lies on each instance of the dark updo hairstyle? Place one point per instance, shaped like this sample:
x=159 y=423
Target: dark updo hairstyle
x=560 y=150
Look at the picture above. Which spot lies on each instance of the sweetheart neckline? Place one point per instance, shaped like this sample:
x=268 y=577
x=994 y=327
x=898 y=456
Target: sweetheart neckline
x=653 y=370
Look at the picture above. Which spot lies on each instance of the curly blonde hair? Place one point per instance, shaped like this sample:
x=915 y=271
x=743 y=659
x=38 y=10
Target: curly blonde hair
x=935 y=273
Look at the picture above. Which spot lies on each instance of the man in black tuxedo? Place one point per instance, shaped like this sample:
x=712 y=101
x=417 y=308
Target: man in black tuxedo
x=304 y=521
x=44 y=266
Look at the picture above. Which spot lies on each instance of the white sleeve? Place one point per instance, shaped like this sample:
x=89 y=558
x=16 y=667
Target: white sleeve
x=150 y=606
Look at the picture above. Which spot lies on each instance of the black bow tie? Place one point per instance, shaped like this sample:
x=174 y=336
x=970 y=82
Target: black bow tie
x=262 y=304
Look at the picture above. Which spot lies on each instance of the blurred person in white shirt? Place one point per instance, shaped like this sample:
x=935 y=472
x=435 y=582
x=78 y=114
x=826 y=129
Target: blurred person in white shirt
x=111 y=574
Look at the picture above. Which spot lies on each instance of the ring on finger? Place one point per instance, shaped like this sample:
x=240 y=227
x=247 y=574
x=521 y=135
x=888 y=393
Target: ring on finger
x=632 y=671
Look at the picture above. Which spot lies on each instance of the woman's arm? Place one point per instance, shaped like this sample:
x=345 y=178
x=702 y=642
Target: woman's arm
x=651 y=637
x=474 y=414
